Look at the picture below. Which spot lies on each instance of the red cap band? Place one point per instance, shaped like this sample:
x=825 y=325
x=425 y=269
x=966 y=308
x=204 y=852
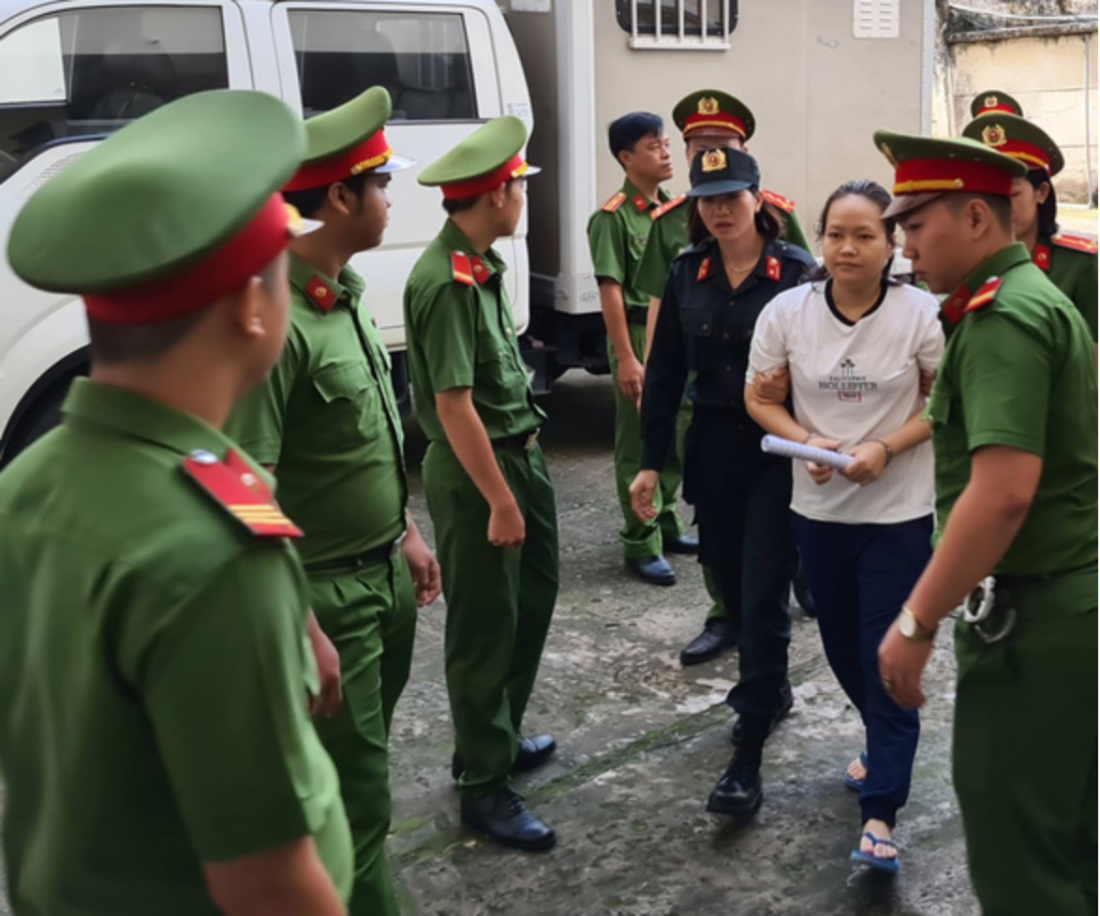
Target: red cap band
x=1005 y=108
x=694 y=122
x=461 y=190
x=921 y=176
x=1035 y=157
x=368 y=155
x=195 y=287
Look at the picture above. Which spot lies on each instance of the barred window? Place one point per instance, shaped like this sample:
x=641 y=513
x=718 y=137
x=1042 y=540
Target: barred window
x=677 y=23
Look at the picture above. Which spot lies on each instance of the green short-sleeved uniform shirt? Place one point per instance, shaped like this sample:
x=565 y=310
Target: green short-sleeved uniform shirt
x=153 y=673
x=669 y=237
x=1070 y=263
x=328 y=420
x=617 y=236
x=1019 y=372
x=461 y=335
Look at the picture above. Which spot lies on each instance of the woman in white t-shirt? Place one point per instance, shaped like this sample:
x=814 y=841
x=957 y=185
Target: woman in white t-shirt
x=855 y=344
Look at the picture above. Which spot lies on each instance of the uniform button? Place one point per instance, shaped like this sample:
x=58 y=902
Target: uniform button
x=729 y=368
x=725 y=336
x=201 y=456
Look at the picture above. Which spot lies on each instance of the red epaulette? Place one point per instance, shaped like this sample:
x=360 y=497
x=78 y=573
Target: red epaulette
x=1075 y=242
x=461 y=269
x=666 y=207
x=985 y=295
x=320 y=294
x=775 y=269
x=233 y=486
x=614 y=203
x=777 y=200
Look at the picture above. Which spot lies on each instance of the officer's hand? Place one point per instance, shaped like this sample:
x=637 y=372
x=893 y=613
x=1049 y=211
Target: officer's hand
x=821 y=473
x=869 y=464
x=327 y=702
x=631 y=380
x=927 y=377
x=772 y=387
x=506 y=526
x=423 y=567
x=642 y=491
x=901 y=663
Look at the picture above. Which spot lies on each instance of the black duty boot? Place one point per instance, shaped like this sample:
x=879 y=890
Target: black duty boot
x=739 y=793
x=716 y=638
x=504 y=818
x=532 y=753
x=780 y=714
x=654 y=570
x=687 y=544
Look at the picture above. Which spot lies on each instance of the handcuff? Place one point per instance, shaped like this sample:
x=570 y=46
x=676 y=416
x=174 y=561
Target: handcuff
x=979 y=606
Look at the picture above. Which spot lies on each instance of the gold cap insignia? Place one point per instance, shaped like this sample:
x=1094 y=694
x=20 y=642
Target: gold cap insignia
x=994 y=135
x=714 y=160
x=708 y=106
x=889 y=154
x=991 y=101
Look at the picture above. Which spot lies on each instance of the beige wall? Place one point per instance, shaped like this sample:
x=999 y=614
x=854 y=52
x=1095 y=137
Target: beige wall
x=817 y=92
x=1047 y=77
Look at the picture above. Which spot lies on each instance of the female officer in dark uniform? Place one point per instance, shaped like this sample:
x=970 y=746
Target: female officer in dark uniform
x=716 y=289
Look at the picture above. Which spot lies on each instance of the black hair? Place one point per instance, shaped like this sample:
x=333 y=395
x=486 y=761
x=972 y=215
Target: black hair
x=310 y=201
x=1048 y=209
x=767 y=221
x=999 y=205
x=111 y=344
x=624 y=133
x=880 y=197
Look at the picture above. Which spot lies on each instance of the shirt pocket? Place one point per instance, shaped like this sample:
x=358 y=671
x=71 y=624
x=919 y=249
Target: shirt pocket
x=699 y=326
x=352 y=404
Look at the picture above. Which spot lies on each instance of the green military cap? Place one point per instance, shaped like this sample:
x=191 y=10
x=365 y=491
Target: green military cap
x=712 y=108
x=1019 y=138
x=995 y=102
x=723 y=171
x=347 y=141
x=927 y=168
x=173 y=211
x=486 y=159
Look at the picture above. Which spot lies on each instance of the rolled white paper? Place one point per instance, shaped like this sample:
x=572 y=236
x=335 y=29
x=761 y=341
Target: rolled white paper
x=774 y=445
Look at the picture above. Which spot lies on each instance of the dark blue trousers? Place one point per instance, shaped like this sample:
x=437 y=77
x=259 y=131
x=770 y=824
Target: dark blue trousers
x=859 y=576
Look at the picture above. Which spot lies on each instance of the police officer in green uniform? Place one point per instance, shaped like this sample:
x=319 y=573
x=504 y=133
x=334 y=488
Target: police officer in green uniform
x=617 y=234
x=154 y=736
x=327 y=424
x=1069 y=260
x=1016 y=491
x=707 y=119
x=994 y=101
x=488 y=492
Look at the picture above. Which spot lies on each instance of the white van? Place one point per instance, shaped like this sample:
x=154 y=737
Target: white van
x=73 y=71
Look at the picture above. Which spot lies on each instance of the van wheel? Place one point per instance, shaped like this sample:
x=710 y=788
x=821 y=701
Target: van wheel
x=42 y=416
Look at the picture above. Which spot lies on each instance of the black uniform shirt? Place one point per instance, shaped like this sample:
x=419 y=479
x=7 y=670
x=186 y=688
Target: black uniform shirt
x=705 y=327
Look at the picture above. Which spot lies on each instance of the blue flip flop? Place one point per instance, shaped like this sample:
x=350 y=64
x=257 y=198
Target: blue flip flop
x=856 y=784
x=889 y=866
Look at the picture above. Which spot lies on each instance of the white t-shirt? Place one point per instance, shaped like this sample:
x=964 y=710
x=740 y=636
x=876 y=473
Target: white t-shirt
x=855 y=382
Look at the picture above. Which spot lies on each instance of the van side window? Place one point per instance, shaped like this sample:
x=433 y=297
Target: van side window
x=90 y=71
x=421 y=58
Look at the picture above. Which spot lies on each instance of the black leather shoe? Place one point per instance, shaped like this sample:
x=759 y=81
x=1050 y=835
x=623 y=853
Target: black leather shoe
x=654 y=570
x=532 y=753
x=717 y=636
x=686 y=544
x=738 y=792
x=505 y=819
x=780 y=715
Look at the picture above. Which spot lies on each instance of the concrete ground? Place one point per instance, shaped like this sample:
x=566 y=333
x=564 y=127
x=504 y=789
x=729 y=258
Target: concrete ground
x=642 y=741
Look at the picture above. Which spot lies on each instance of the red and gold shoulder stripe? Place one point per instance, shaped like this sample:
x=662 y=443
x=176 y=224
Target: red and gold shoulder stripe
x=234 y=487
x=614 y=203
x=777 y=200
x=985 y=295
x=667 y=207
x=461 y=269
x=1075 y=242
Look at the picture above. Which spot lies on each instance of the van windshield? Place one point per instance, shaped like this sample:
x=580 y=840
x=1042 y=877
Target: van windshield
x=88 y=72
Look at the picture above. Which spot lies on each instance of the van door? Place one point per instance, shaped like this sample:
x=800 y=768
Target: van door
x=438 y=63
x=71 y=73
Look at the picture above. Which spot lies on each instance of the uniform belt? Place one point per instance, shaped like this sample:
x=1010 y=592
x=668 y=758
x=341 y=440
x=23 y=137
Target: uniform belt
x=381 y=554
x=525 y=441
x=637 y=316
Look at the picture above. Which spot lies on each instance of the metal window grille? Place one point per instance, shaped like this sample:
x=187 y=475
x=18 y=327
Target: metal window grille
x=678 y=24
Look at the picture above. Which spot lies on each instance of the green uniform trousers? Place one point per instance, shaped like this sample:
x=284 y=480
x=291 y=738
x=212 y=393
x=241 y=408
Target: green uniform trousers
x=370 y=615
x=499 y=605
x=1025 y=753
